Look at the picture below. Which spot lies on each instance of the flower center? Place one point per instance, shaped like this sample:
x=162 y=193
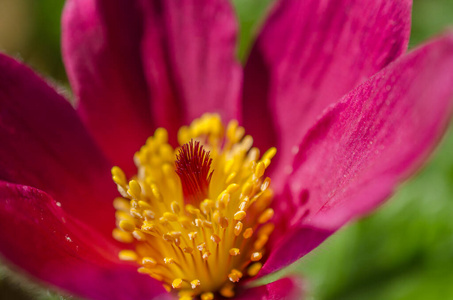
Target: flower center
x=198 y=215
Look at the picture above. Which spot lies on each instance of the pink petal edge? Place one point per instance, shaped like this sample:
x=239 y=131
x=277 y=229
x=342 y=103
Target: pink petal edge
x=40 y=238
x=45 y=145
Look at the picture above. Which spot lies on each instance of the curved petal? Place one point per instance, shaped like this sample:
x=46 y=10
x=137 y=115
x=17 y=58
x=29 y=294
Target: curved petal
x=189 y=55
x=45 y=145
x=40 y=238
x=289 y=288
x=101 y=49
x=370 y=141
x=308 y=55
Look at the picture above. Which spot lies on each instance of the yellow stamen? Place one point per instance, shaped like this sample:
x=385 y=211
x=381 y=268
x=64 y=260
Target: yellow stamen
x=191 y=211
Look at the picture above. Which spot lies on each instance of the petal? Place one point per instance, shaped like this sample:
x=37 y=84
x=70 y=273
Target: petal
x=189 y=54
x=308 y=55
x=289 y=288
x=45 y=145
x=366 y=144
x=40 y=238
x=101 y=50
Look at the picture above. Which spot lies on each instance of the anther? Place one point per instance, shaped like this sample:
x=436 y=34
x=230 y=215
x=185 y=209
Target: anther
x=127 y=225
x=195 y=283
x=256 y=256
x=206 y=255
x=127 y=255
x=187 y=250
x=175 y=207
x=206 y=224
x=149 y=262
x=118 y=176
x=192 y=235
x=223 y=222
x=234 y=252
x=233 y=277
x=215 y=238
x=135 y=189
x=139 y=235
x=238 y=228
x=207 y=296
x=227 y=291
x=122 y=236
x=121 y=204
x=254 y=269
x=171 y=217
x=240 y=215
x=177 y=283
x=169 y=260
x=260 y=242
x=149 y=214
x=144 y=205
x=201 y=246
x=266 y=216
x=259 y=170
x=248 y=233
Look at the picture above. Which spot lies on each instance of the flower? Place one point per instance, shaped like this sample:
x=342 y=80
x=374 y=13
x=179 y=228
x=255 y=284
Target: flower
x=326 y=83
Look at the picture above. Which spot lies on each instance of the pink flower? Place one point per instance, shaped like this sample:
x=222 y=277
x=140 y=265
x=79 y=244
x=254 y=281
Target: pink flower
x=326 y=83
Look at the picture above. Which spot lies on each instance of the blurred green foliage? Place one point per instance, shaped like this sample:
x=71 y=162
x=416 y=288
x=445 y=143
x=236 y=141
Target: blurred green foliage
x=402 y=251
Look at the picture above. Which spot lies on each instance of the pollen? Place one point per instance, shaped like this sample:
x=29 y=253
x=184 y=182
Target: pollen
x=197 y=217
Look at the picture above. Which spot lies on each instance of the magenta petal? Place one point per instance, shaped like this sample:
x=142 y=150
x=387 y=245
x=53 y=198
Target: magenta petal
x=40 y=238
x=101 y=50
x=45 y=145
x=189 y=54
x=366 y=144
x=308 y=55
x=380 y=132
x=289 y=288
x=295 y=243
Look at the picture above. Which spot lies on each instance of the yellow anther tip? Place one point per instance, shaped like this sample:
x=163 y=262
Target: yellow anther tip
x=169 y=260
x=207 y=296
x=149 y=262
x=240 y=215
x=234 y=251
x=170 y=216
x=248 y=233
x=238 y=228
x=122 y=236
x=256 y=256
x=266 y=216
x=127 y=255
x=135 y=189
x=127 y=225
x=195 y=283
x=254 y=269
x=161 y=135
x=227 y=292
x=177 y=283
x=215 y=238
x=260 y=168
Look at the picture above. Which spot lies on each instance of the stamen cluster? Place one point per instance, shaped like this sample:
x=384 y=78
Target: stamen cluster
x=198 y=215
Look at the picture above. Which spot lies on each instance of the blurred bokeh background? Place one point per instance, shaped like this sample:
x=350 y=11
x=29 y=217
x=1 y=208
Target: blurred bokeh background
x=402 y=251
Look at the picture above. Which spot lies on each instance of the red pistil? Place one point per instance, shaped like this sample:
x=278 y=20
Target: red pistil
x=193 y=168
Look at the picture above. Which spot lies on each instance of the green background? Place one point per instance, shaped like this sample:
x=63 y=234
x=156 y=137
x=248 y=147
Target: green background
x=402 y=251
